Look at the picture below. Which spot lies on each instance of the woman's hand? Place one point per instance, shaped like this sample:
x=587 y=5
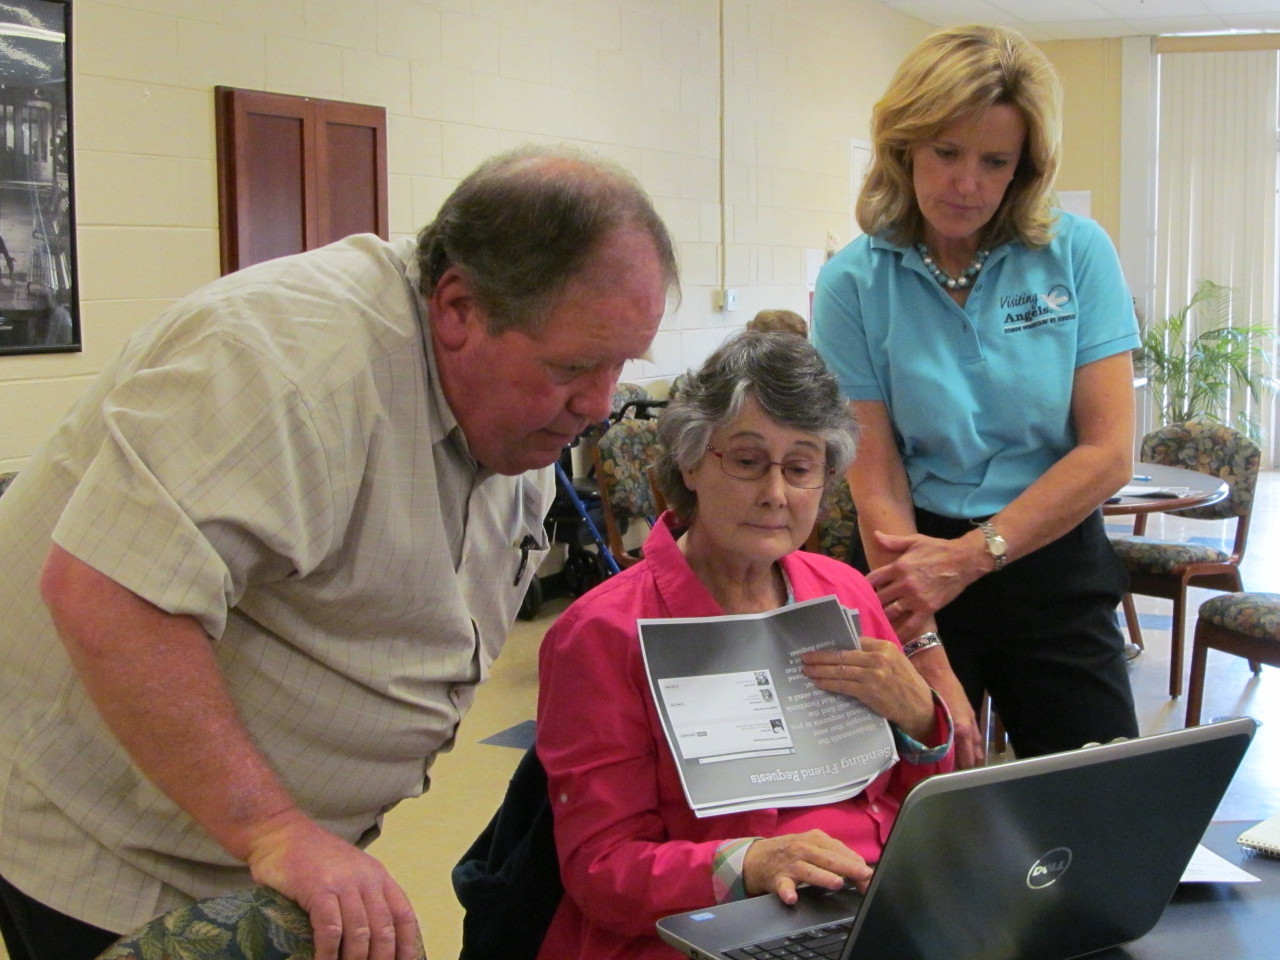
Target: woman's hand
x=778 y=864
x=883 y=678
x=925 y=575
x=967 y=744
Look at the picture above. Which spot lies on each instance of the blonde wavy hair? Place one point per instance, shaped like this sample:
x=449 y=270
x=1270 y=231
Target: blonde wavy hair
x=955 y=73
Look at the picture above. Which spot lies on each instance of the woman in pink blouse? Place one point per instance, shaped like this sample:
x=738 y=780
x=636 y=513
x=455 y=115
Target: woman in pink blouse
x=751 y=446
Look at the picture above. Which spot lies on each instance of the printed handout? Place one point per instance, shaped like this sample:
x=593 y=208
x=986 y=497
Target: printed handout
x=748 y=730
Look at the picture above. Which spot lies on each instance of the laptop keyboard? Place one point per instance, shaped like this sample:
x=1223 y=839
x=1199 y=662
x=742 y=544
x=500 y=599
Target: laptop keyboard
x=820 y=943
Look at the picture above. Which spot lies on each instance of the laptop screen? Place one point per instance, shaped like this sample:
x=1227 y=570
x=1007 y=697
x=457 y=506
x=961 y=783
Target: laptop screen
x=1052 y=857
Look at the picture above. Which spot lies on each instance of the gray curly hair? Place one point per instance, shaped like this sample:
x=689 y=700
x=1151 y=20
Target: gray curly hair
x=789 y=380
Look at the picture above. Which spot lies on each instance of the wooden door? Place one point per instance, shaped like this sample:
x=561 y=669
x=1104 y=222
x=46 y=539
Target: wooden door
x=295 y=173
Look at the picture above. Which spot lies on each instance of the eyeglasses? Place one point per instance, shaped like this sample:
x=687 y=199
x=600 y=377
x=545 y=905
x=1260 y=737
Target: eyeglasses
x=743 y=463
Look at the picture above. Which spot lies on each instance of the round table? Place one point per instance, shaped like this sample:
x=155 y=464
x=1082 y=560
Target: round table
x=1202 y=490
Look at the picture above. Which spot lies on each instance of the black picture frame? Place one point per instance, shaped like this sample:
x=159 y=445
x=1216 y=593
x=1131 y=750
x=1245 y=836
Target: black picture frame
x=39 y=306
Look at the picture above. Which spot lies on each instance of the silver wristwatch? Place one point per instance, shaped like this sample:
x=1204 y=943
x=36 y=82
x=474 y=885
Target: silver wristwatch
x=995 y=543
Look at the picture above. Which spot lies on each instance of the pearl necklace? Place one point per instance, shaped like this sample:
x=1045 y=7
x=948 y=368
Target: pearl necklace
x=962 y=279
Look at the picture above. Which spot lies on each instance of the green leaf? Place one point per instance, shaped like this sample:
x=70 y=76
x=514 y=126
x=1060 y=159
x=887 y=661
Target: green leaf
x=1196 y=358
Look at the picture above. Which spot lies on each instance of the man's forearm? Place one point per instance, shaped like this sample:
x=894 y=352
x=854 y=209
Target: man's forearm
x=154 y=679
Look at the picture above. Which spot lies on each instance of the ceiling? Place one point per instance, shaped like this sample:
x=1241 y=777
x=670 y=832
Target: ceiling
x=1091 y=19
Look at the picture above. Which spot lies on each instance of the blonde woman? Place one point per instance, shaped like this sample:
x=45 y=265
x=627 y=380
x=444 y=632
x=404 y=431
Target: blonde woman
x=983 y=339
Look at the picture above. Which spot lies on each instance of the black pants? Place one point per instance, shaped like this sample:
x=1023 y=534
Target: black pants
x=1041 y=637
x=33 y=931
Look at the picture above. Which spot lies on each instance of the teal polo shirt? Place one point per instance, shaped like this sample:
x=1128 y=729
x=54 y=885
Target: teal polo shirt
x=980 y=396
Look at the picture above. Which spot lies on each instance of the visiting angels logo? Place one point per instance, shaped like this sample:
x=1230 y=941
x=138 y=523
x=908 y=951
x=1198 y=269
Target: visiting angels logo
x=1028 y=311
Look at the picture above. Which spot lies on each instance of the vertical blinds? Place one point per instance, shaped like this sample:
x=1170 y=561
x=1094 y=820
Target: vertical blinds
x=1216 y=189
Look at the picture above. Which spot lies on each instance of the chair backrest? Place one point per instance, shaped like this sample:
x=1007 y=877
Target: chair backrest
x=837 y=525
x=508 y=881
x=624 y=453
x=628 y=393
x=1213 y=448
x=677 y=384
x=622 y=457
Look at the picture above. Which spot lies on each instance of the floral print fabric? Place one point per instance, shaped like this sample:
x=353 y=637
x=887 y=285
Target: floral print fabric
x=257 y=923
x=838 y=522
x=627 y=450
x=1205 y=447
x=1253 y=614
x=1212 y=448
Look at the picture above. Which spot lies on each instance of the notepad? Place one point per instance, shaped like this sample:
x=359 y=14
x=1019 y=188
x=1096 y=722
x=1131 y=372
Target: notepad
x=1264 y=837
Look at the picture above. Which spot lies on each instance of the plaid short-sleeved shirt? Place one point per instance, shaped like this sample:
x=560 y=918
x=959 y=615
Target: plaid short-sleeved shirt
x=273 y=457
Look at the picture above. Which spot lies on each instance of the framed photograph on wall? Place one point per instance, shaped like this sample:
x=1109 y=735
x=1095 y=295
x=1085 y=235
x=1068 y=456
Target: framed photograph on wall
x=39 y=308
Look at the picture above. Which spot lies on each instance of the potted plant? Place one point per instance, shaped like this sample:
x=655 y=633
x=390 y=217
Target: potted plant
x=1193 y=364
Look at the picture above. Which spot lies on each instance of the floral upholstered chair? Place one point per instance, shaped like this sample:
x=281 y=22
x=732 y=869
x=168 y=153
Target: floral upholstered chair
x=1165 y=568
x=622 y=456
x=631 y=400
x=837 y=526
x=1244 y=624
x=256 y=923
x=5 y=480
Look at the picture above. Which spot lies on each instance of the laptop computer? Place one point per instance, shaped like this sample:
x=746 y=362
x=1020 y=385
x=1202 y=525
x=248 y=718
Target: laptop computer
x=1049 y=858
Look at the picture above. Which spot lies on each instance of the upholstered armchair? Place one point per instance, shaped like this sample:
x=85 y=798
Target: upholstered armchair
x=1167 y=568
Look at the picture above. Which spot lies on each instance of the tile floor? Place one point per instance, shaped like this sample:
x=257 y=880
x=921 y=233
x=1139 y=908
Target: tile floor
x=424 y=838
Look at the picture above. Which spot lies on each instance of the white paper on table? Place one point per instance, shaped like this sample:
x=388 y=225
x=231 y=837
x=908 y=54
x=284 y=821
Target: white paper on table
x=1207 y=867
x=1150 y=490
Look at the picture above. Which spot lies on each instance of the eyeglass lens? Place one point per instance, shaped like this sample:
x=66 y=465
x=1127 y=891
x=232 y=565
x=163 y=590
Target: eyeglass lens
x=746 y=464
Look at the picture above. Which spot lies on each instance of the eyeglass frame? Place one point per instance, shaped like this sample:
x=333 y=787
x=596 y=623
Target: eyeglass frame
x=827 y=470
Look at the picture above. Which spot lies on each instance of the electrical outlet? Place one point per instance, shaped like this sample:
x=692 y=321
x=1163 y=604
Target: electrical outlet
x=725 y=299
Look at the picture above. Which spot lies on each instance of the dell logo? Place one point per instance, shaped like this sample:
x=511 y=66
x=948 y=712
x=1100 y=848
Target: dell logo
x=1046 y=871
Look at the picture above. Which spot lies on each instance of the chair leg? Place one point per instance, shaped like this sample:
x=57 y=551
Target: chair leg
x=1176 y=645
x=1195 y=685
x=1256 y=667
x=992 y=729
x=1131 y=620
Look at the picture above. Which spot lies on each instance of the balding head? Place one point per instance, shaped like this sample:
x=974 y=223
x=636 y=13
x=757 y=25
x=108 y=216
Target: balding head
x=525 y=223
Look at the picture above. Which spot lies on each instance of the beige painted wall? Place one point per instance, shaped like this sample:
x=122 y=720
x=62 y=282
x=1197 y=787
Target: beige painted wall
x=637 y=80
x=1090 y=72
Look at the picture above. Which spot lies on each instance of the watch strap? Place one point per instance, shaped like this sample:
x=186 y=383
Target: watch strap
x=996 y=546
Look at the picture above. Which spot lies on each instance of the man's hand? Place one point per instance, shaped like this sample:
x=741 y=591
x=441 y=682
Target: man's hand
x=354 y=904
x=777 y=864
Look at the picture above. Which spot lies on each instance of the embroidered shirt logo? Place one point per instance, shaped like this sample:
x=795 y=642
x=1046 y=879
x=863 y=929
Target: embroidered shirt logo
x=1057 y=297
x=1027 y=311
